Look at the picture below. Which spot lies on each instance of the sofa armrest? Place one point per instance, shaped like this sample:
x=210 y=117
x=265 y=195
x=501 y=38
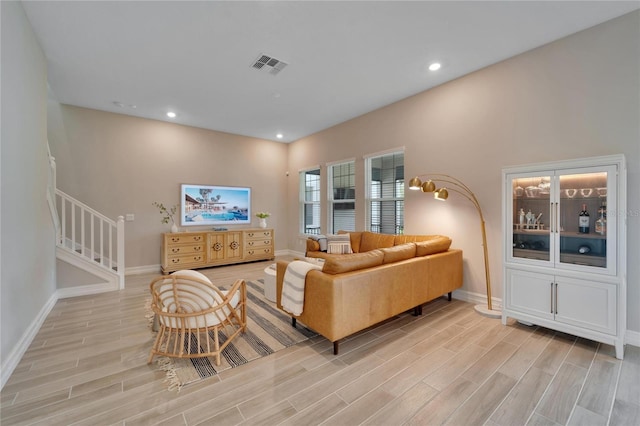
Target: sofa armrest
x=312 y=245
x=281 y=268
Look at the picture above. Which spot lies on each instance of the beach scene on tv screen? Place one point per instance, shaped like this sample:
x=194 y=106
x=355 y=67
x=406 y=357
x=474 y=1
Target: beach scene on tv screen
x=215 y=204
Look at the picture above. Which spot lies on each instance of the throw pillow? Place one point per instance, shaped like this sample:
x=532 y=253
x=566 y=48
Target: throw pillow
x=435 y=245
x=322 y=241
x=372 y=240
x=339 y=244
x=352 y=262
x=398 y=253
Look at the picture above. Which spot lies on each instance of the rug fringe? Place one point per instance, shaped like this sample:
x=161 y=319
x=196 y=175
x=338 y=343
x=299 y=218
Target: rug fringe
x=148 y=313
x=165 y=364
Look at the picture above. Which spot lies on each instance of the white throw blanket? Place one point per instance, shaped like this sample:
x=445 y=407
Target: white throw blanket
x=293 y=286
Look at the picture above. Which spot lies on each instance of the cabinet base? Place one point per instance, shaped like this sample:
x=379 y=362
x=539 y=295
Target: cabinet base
x=484 y=311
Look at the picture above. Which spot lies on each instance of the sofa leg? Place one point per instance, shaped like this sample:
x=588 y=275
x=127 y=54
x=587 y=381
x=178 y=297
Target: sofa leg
x=335 y=347
x=449 y=297
x=293 y=322
x=417 y=311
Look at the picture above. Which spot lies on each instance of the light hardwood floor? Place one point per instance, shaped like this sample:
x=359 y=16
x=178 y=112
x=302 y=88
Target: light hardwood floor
x=87 y=366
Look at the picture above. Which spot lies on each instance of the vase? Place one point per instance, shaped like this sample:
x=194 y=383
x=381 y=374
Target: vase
x=262 y=222
x=174 y=228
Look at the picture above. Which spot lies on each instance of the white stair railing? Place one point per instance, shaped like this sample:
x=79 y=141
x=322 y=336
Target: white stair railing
x=87 y=233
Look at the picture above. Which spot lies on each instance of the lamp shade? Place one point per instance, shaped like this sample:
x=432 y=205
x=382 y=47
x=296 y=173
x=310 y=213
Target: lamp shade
x=415 y=183
x=441 y=194
x=428 y=186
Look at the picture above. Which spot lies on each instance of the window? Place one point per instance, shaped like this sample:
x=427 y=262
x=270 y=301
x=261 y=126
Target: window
x=310 y=201
x=385 y=192
x=342 y=197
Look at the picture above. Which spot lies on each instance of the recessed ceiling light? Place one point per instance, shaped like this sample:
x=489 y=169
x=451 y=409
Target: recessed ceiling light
x=279 y=136
x=434 y=66
x=171 y=114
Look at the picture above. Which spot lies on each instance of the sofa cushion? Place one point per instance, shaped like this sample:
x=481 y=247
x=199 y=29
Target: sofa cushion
x=340 y=263
x=355 y=239
x=398 y=253
x=339 y=244
x=312 y=245
x=371 y=241
x=403 y=239
x=433 y=245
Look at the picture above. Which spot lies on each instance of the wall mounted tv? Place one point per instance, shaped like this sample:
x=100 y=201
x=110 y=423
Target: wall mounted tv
x=215 y=205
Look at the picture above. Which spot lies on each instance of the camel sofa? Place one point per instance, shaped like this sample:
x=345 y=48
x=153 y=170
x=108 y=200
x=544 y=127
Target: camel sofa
x=385 y=276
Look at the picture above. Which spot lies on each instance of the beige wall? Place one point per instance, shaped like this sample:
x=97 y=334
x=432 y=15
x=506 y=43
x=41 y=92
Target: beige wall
x=118 y=164
x=577 y=97
x=27 y=280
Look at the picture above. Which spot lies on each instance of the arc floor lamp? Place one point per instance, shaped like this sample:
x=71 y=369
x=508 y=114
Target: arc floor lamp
x=442 y=193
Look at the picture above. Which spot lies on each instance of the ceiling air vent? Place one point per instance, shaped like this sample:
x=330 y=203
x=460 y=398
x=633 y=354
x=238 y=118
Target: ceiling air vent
x=269 y=64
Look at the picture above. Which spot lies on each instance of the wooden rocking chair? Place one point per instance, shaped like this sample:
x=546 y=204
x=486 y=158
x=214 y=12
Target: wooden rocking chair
x=195 y=318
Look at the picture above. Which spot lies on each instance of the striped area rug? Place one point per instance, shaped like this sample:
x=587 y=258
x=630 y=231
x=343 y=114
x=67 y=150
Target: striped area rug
x=268 y=330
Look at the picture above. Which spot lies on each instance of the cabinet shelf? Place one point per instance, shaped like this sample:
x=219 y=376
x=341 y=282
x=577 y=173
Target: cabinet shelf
x=583 y=259
x=590 y=236
x=567 y=234
x=531 y=232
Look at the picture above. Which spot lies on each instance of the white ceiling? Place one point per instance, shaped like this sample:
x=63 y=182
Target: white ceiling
x=344 y=58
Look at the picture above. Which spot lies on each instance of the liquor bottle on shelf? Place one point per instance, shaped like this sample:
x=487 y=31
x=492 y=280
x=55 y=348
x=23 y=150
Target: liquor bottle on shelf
x=601 y=223
x=583 y=220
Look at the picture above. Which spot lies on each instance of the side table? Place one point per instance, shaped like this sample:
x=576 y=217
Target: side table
x=270 y=282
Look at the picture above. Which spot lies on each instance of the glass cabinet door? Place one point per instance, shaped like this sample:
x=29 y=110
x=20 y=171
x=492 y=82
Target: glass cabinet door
x=583 y=224
x=530 y=216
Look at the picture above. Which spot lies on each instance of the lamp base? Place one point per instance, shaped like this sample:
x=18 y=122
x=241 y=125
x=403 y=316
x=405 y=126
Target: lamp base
x=484 y=311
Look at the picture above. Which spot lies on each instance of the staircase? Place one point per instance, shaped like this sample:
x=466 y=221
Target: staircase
x=87 y=239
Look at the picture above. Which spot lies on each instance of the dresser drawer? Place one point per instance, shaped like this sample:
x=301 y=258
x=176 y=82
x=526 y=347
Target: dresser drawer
x=258 y=243
x=258 y=235
x=175 y=239
x=178 y=250
x=185 y=260
x=261 y=253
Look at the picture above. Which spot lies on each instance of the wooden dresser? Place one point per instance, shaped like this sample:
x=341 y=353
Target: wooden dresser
x=201 y=249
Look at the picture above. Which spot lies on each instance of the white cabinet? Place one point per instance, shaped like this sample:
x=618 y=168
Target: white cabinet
x=560 y=270
x=582 y=303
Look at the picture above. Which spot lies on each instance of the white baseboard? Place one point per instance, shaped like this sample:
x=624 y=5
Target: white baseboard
x=632 y=338
x=291 y=253
x=11 y=362
x=84 y=290
x=476 y=298
x=147 y=269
